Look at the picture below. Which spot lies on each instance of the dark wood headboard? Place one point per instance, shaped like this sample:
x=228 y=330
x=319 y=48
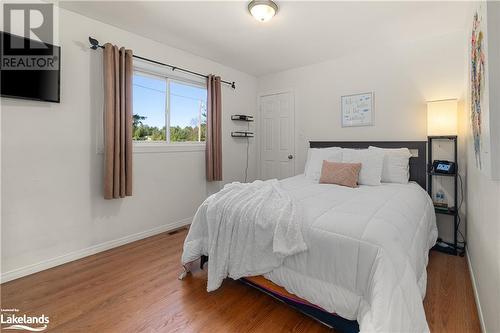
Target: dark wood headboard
x=418 y=164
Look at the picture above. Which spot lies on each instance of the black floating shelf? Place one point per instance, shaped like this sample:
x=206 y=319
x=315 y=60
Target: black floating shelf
x=442 y=174
x=242 y=134
x=443 y=137
x=242 y=117
x=445 y=210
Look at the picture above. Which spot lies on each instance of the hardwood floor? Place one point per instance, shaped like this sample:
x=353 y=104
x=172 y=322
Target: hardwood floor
x=134 y=288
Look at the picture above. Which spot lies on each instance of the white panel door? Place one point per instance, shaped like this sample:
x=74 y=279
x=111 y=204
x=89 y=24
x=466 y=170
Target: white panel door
x=277 y=136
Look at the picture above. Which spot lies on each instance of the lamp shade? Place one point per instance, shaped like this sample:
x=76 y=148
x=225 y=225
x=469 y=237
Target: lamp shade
x=442 y=117
x=263 y=10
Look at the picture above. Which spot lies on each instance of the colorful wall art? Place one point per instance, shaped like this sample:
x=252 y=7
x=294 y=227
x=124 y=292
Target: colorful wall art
x=477 y=58
x=484 y=88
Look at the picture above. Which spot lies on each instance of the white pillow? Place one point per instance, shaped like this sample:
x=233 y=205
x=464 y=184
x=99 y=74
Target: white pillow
x=396 y=168
x=371 y=164
x=315 y=158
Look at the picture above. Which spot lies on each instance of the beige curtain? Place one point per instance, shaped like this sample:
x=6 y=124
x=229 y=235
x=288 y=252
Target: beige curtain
x=214 y=132
x=117 y=122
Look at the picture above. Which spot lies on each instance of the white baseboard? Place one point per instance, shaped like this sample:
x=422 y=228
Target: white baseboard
x=49 y=263
x=476 y=294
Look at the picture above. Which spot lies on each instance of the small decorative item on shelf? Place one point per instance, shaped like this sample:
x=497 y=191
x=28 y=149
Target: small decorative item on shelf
x=241 y=117
x=441 y=205
x=440 y=200
x=242 y=134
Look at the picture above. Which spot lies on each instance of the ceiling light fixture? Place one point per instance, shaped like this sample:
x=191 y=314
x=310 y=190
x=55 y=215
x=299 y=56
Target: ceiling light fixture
x=262 y=10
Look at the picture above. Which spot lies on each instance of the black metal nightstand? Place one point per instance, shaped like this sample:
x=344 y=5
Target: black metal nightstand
x=446 y=247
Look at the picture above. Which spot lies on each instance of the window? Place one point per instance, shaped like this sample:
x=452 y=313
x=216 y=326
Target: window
x=168 y=110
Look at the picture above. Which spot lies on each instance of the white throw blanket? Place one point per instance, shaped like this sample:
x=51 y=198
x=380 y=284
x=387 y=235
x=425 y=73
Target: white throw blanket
x=251 y=228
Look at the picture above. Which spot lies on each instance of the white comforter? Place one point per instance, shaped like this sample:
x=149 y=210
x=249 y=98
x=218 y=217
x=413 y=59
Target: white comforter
x=367 y=252
x=245 y=229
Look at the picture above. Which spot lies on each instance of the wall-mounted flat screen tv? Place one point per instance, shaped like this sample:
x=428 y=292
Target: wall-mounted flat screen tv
x=29 y=69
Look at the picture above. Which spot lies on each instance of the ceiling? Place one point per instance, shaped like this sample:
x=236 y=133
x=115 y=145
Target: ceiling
x=302 y=33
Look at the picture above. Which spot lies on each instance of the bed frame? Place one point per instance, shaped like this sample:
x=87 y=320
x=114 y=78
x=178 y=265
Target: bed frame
x=418 y=161
x=418 y=174
x=326 y=318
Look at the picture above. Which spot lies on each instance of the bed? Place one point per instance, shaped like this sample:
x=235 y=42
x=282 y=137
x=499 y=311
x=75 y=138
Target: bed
x=365 y=266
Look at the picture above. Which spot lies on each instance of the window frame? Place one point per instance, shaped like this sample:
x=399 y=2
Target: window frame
x=167 y=146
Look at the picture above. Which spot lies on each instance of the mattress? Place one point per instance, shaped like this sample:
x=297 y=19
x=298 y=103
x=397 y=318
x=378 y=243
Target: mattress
x=367 y=252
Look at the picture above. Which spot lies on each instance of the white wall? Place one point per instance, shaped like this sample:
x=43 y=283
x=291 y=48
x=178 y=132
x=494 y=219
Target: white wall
x=403 y=76
x=483 y=237
x=53 y=209
x=483 y=193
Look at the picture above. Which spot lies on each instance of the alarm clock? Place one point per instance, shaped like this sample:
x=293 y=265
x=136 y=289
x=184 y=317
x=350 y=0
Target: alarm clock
x=444 y=167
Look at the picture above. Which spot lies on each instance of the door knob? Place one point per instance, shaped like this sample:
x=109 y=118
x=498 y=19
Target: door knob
x=290 y=157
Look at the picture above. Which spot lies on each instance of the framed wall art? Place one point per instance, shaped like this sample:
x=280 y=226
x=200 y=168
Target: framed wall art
x=357 y=110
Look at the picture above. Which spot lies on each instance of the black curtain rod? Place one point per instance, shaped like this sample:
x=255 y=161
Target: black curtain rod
x=94 y=44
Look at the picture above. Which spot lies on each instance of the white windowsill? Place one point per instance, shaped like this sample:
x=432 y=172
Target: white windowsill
x=163 y=147
x=139 y=147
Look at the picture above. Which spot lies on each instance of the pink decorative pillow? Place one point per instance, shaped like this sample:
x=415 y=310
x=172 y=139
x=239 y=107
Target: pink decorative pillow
x=345 y=174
